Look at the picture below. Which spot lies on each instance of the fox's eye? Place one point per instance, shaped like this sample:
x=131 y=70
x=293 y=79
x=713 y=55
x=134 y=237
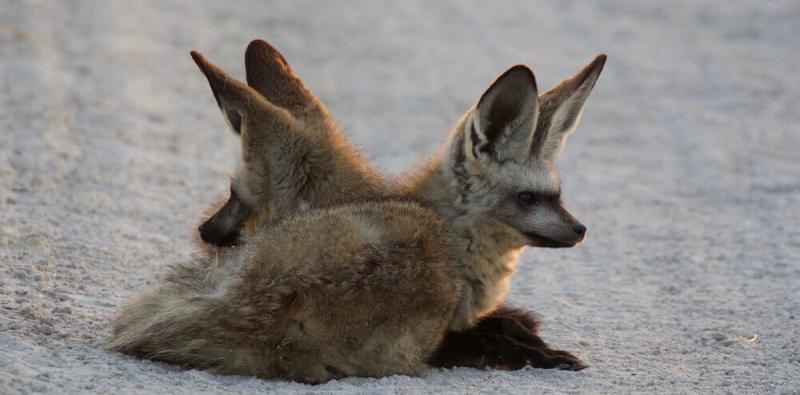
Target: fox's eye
x=526 y=198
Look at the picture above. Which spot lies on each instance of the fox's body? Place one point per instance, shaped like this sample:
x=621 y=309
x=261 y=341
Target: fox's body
x=364 y=290
x=315 y=298
x=371 y=288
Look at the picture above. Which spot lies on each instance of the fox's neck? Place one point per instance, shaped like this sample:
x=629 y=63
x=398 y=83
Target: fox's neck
x=489 y=249
x=345 y=176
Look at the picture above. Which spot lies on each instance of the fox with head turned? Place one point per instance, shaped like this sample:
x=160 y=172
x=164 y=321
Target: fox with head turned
x=494 y=187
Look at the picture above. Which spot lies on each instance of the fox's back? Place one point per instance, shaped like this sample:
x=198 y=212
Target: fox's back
x=377 y=253
x=333 y=280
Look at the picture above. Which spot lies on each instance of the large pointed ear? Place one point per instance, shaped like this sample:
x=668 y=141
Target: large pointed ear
x=247 y=112
x=502 y=125
x=271 y=76
x=229 y=93
x=561 y=109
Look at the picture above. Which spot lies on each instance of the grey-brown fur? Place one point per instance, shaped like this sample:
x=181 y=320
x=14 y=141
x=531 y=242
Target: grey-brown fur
x=354 y=290
x=366 y=289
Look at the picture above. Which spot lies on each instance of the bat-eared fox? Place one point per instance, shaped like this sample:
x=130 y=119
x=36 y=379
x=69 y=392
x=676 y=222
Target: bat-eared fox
x=318 y=267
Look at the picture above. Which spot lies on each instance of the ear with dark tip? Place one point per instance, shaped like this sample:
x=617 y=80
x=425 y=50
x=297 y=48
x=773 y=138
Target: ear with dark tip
x=247 y=112
x=228 y=92
x=271 y=76
x=561 y=109
x=506 y=116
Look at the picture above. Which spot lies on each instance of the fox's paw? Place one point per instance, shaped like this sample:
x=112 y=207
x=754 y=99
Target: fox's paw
x=573 y=367
x=567 y=361
x=558 y=360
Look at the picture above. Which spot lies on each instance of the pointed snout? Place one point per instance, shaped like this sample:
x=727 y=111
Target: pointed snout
x=572 y=234
x=558 y=228
x=565 y=237
x=223 y=229
x=212 y=233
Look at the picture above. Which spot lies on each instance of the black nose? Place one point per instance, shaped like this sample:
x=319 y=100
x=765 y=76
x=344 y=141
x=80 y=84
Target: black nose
x=219 y=237
x=579 y=229
x=207 y=233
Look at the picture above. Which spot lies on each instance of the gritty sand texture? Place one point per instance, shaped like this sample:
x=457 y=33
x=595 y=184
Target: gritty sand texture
x=685 y=169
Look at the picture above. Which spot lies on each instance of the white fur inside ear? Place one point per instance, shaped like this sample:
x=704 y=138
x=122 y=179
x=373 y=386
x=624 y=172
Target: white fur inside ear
x=472 y=123
x=460 y=143
x=563 y=123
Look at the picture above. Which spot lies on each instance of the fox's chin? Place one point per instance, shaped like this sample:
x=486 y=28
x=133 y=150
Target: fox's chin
x=535 y=240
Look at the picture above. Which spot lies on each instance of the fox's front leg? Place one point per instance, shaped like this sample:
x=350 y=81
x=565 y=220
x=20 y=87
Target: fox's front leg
x=508 y=326
x=491 y=350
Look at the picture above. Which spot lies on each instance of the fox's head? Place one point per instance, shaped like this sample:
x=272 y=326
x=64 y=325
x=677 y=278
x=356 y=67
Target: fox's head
x=294 y=156
x=502 y=154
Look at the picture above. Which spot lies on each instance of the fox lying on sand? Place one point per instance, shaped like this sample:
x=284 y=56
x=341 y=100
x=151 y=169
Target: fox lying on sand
x=372 y=284
x=333 y=173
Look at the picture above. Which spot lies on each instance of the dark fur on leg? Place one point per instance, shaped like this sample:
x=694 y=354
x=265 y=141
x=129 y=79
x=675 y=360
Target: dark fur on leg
x=501 y=340
x=510 y=328
x=528 y=319
x=482 y=350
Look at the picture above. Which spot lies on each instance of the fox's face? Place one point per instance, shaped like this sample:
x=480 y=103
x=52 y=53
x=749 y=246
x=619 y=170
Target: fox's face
x=502 y=154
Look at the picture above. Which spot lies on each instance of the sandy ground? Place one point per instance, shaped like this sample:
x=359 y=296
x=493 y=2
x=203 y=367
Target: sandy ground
x=685 y=169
